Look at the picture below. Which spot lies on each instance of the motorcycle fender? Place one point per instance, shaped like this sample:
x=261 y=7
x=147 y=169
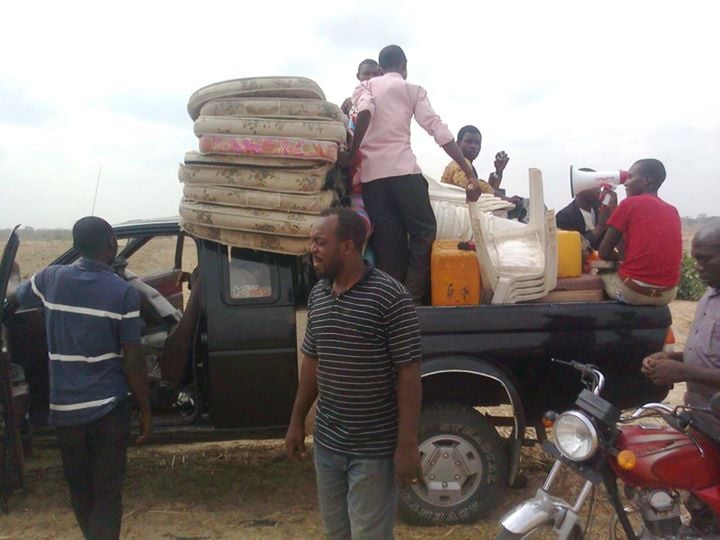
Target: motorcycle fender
x=540 y=509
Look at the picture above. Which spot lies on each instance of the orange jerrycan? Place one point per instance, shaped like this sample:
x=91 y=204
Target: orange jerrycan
x=454 y=274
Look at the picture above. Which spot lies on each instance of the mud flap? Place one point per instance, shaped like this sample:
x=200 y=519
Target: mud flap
x=514 y=449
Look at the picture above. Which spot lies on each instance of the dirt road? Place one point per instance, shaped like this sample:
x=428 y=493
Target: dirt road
x=244 y=489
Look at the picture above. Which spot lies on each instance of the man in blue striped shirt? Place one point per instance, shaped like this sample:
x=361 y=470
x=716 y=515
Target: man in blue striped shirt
x=93 y=324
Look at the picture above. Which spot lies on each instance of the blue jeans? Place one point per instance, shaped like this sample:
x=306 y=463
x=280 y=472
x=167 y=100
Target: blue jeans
x=357 y=496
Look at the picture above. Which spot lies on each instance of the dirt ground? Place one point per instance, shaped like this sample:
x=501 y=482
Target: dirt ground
x=240 y=489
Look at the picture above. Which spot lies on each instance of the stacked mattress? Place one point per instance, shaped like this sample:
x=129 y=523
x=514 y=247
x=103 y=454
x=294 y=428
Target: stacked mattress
x=266 y=147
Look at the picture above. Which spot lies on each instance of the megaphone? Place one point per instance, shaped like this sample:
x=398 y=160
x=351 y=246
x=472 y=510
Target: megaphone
x=584 y=180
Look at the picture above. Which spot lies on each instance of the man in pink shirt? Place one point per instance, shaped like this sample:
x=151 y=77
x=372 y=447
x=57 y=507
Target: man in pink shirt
x=394 y=190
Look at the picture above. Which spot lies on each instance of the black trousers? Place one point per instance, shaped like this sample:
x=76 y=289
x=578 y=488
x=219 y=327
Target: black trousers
x=94 y=459
x=400 y=210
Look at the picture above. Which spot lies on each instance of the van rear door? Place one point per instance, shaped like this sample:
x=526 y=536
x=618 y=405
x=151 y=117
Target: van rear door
x=250 y=334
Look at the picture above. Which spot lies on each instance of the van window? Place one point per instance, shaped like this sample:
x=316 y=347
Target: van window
x=249 y=279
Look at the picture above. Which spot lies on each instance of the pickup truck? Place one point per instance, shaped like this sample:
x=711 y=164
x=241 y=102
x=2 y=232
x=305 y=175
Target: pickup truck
x=223 y=360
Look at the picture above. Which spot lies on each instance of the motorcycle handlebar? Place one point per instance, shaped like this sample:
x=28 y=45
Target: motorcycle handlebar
x=678 y=420
x=702 y=426
x=587 y=370
x=658 y=407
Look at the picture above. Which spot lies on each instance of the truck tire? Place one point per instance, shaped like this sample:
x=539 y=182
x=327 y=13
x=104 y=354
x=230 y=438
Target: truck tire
x=464 y=465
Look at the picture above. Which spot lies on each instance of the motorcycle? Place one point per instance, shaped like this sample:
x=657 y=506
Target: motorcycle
x=662 y=467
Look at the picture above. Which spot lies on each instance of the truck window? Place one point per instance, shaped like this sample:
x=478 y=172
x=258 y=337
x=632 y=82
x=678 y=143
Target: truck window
x=249 y=279
x=157 y=256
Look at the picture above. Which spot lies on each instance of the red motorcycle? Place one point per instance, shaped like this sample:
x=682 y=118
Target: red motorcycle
x=663 y=467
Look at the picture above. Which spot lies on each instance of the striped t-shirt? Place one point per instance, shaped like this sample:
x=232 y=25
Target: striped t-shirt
x=89 y=313
x=358 y=338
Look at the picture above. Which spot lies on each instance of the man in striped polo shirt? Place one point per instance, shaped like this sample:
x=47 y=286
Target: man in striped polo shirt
x=361 y=357
x=93 y=325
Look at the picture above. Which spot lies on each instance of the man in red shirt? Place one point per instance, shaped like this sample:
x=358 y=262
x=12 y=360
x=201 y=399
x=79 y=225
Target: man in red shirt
x=647 y=232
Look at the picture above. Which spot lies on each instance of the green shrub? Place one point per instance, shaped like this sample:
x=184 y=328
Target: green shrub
x=690 y=286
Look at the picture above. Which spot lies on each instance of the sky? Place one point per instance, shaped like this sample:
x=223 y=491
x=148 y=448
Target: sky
x=92 y=89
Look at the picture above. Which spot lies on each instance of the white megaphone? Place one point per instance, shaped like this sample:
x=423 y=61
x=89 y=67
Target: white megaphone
x=584 y=180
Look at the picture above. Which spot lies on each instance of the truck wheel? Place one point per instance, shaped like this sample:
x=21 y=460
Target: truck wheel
x=464 y=464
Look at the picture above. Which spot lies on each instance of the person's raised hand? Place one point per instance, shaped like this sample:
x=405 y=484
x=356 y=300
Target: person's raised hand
x=501 y=161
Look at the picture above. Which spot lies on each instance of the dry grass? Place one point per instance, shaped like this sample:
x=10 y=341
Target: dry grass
x=240 y=489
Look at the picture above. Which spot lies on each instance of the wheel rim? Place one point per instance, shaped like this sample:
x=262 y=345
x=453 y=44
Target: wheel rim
x=452 y=470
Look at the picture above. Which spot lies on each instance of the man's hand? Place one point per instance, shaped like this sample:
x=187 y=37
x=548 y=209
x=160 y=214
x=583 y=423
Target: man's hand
x=662 y=369
x=472 y=191
x=136 y=375
x=501 y=161
x=408 y=469
x=515 y=199
x=295 y=443
x=606 y=210
x=347 y=159
x=146 y=426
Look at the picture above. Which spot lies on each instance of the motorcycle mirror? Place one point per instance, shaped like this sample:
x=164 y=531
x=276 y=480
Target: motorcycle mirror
x=715 y=404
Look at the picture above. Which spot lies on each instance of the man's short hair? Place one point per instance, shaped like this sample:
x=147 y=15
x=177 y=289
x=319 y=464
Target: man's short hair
x=468 y=129
x=709 y=234
x=91 y=236
x=652 y=168
x=350 y=226
x=392 y=57
x=367 y=61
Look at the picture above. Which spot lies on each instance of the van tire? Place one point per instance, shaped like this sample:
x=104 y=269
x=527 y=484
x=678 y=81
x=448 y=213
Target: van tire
x=466 y=452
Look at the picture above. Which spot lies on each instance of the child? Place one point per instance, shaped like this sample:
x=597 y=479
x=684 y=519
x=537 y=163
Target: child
x=367 y=69
x=470 y=141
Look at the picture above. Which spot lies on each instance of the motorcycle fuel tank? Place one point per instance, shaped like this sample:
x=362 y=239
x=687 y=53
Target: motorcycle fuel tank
x=667 y=458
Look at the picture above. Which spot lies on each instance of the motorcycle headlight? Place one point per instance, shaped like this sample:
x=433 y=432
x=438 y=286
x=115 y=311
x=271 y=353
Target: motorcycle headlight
x=575 y=436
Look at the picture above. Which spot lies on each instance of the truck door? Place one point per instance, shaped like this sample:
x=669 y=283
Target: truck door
x=12 y=407
x=250 y=334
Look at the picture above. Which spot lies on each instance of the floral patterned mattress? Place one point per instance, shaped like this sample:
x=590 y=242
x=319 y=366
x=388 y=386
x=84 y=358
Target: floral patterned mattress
x=250 y=198
x=263 y=242
x=316 y=130
x=193 y=157
x=273 y=108
x=247 y=219
x=306 y=180
x=283 y=87
x=284 y=147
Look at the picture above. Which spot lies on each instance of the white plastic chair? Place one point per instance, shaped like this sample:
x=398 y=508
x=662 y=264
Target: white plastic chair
x=450 y=208
x=518 y=262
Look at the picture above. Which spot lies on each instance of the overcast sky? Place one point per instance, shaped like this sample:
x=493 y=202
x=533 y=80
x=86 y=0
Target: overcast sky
x=85 y=85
